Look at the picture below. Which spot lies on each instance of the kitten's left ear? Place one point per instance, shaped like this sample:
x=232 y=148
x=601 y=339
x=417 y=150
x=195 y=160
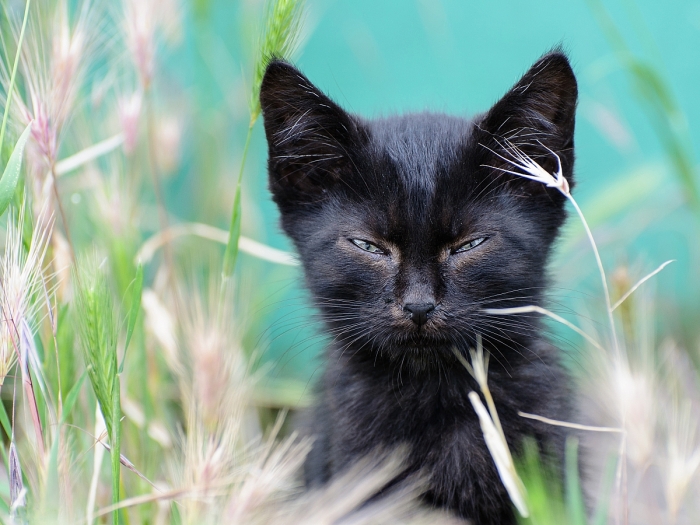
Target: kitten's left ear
x=536 y=115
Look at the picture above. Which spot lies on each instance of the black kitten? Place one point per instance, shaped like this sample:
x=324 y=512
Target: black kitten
x=407 y=231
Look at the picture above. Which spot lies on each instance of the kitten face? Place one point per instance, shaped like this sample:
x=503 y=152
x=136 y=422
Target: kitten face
x=406 y=229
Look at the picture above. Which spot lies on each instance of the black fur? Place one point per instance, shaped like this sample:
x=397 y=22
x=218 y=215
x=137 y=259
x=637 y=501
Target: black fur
x=418 y=186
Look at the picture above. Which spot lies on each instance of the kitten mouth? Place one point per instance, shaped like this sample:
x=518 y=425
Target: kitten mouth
x=421 y=338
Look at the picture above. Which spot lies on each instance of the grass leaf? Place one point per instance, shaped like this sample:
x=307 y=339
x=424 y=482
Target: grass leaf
x=11 y=87
x=10 y=177
x=601 y=513
x=134 y=309
x=544 y=493
x=5 y=421
x=657 y=98
x=574 y=499
x=50 y=500
x=72 y=397
x=115 y=448
x=231 y=253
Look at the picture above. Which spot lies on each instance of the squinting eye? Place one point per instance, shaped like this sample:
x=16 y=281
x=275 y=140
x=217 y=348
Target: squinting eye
x=367 y=246
x=470 y=245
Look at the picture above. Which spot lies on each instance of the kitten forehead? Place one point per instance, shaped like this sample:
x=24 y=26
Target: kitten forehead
x=421 y=146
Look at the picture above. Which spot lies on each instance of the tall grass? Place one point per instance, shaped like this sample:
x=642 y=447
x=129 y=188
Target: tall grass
x=177 y=413
x=282 y=25
x=98 y=328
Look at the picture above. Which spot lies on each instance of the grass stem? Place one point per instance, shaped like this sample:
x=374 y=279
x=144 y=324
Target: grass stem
x=544 y=311
x=11 y=89
x=155 y=174
x=90 y=153
x=231 y=253
x=61 y=211
x=115 y=448
x=640 y=283
x=601 y=270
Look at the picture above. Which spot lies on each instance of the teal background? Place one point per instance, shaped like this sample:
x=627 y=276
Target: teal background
x=377 y=57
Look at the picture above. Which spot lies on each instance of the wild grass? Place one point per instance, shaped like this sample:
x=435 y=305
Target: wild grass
x=281 y=29
x=627 y=393
x=125 y=328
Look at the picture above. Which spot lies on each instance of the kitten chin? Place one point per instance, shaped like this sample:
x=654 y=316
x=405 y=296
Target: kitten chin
x=409 y=231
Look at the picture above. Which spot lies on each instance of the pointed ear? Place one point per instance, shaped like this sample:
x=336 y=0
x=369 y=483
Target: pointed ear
x=309 y=137
x=537 y=115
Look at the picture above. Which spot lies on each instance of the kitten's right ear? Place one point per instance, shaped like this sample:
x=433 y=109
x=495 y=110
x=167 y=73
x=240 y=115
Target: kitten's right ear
x=538 y=116
x=308 y=135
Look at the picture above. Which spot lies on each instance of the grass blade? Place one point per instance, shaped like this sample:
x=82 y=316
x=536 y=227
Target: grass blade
x=574 y=498
x=72 y=397
x=115 y=439
x=11 y=87
x=205 y=231
x=601 y=513
x=134 y=309
x=231 y=253
x=50 y=500
x=10 y=177
x=5 y=421
x=640 y=283
x=658 y=100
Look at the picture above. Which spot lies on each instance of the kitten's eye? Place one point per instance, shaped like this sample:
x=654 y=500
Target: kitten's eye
x=367 y=246
x=470 y=245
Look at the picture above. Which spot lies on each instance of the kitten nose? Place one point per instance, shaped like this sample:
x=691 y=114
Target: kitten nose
x=419 y=311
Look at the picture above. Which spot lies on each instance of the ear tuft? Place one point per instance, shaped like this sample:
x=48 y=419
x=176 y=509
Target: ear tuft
x=543 y=101
x=537 y=114
x=309 y=136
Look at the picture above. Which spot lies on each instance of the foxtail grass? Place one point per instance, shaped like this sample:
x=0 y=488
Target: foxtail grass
x=23 y=286
x=98 y=327
x=492 y=429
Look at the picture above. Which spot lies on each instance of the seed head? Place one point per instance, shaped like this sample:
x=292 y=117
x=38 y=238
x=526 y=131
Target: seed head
x=141 y=21
x=18 y=492
x=683 y=456
x=529 y=168
x=130 y=117
x=22 y=293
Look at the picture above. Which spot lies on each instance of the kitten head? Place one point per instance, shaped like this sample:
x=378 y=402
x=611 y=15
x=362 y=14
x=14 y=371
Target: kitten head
x=406 y=227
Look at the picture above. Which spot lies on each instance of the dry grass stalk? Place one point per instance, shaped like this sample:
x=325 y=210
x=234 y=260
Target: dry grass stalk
x=23 y=291
x=491 y=428
x=22 y=295
x=204 y=231
x=98 y=456
x=635 y=418
x=531 y=169
x=653 y=394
